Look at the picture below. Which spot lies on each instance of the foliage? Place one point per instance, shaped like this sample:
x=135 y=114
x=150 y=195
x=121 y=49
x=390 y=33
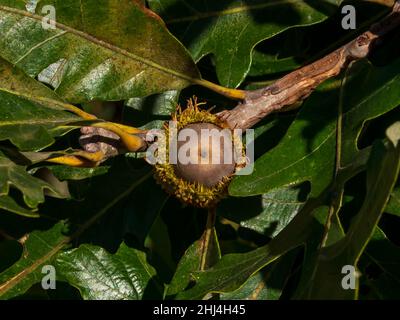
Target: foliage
x=324 y=192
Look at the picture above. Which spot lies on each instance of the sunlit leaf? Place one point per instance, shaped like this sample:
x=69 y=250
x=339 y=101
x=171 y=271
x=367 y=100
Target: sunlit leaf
x=100 y=275
x=110 y=51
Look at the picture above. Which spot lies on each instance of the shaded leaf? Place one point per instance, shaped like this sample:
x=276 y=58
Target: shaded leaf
x=10 y=251
x=158 y=242
x=189 y=263
x=230 y=29
x=393 y=206
x=387 y=256
x=382 y=172
x=151 y=112
x=311 y=250
x=32 y=188
x=40 y=249
x=9 y=204
x=101 y=204
x=233 y=270
x=368 y=93
x=201 y=255
x=142 y=210
x=269 y=64
x=267 y=214
x=163 y=104
x=267 y=284
x=229 y=274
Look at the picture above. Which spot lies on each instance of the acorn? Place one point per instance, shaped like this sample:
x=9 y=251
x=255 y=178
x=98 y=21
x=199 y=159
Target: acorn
x=203 y=167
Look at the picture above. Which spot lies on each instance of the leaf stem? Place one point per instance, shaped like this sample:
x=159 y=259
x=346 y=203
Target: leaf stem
x=227 y=92
x=207 y=237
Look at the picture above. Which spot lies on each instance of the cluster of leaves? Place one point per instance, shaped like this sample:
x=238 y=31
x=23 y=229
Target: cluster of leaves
x=323 y=194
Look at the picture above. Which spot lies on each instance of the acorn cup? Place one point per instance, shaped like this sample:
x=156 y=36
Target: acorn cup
x=202 y=153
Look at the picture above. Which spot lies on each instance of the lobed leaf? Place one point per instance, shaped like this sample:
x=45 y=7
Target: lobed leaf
x=383 y=169
x=32 y=188
x=231 y=29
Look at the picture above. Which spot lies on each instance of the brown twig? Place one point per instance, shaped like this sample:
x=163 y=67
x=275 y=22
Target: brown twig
x=299 y=84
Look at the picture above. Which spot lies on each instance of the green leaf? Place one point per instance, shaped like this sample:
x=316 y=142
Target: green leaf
x=393 y=206
x=70 y=173
x=32 y=188
x=103 y=199
x=382 y=172
x=298 y=191
x=229 y=274
x=202 y=254
x=386 y=256
x=10 y=251
x=267 y=214
x=368 y=93
x=189 y=263
x=233 y=270
x=9 y=204
x=112 y=51
x=151 y=112
x=39 y=250
x=231 y=29
x=105 y=193
x=283 y=53
x=263 y=63
x=100 y=275
x=157 y=240
x=267 y=284
x=163 y=104
x=307 y=152
x=311 y=249
x=254 y=289
x=142 y=211
x=29 y=110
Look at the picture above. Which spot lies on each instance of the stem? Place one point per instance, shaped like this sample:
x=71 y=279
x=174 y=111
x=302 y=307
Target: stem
x=336 y=201
x=227 y=92
x=207 y=238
